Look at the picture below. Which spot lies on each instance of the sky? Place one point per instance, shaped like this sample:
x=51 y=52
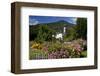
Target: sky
x=34 y=20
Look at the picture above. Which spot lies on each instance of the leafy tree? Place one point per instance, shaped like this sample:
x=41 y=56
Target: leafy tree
x=81 y=28
x=77 y=31
x=44 y=34
x=71 y=34
x=32 y=33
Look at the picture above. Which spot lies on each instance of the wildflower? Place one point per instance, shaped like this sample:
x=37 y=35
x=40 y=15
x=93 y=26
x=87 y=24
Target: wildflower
x=45 y=49
x=36 y=46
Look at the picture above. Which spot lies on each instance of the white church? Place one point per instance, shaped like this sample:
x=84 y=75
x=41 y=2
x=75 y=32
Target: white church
x=60 y=35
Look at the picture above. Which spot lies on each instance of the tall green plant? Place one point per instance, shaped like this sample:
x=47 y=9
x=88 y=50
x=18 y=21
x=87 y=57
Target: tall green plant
x=44 y=34
x=81 y=28
x=78 y=31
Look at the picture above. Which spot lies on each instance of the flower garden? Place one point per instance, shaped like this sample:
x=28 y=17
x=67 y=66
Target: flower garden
x=55 y=50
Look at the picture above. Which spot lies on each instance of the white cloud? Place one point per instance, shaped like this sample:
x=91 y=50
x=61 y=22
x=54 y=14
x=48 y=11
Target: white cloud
x=74 y=20
x=33 y=22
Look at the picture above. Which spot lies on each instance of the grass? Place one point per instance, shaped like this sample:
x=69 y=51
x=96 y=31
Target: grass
x=37 y=54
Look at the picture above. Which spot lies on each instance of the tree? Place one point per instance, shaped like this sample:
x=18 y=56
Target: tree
x=44 y=34
x=81 y=28
x=77 y=31
x=71 y=33
x=33 y=31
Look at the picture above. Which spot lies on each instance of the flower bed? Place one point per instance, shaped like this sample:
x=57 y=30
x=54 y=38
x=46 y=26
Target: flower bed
x=55 y=50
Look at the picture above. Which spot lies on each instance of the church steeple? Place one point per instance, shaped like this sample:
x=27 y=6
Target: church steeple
x=64 y=30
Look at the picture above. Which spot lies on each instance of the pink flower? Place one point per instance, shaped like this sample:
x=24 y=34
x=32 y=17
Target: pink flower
x=45 y=48
x=78 y=48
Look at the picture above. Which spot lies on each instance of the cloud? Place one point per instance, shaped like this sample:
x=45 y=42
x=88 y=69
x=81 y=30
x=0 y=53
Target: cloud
x=72 y=20
x=33 y=22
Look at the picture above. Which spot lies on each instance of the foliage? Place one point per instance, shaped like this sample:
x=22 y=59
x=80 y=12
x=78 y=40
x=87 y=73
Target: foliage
x=77 y=31
x=32 y=33
x=84 y=54
x=81 y=28
x=44 y=34
x=37 y=54
x=71 y=34
x=48 y=50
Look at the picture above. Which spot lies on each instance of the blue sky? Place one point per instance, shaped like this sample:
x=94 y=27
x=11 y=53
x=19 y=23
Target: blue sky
x=33 y=20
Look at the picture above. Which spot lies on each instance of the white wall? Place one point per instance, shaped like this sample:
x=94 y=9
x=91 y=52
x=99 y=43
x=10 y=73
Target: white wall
x=5 y=27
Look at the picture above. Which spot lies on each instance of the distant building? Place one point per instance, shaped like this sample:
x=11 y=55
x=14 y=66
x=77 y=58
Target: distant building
x=60 y=35
x=64 y=30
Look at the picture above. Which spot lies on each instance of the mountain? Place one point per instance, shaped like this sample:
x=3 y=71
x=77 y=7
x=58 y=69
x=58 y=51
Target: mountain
x=54 y=26
x=58 y=26
x=57 y=23
x=61 y=22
